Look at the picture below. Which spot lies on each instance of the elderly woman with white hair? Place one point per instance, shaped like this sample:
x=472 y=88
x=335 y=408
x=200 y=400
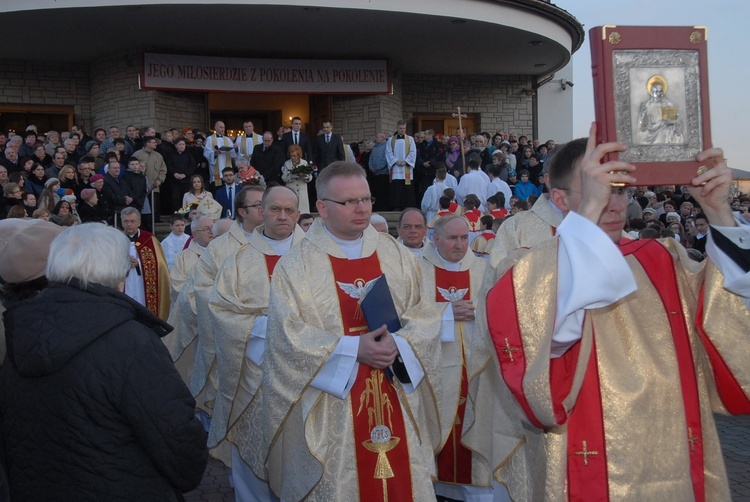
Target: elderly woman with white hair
x=90 y=384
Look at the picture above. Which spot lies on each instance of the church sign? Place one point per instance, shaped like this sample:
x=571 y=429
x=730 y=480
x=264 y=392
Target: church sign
x=308 y=76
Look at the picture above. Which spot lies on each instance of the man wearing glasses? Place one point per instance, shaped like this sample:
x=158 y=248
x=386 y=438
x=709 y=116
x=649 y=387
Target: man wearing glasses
x=330 y=400
x=194 y=358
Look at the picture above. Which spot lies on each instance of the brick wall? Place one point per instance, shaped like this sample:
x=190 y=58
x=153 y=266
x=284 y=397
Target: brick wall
x=46 y=83
x=179 y=109
x=358 y=117
x=496 y=98
x=117 y=100
x=115 y=97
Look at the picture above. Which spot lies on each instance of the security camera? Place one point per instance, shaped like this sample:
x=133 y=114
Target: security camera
x=565 y=83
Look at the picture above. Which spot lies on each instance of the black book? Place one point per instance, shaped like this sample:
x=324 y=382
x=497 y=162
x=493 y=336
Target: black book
x=379 y=309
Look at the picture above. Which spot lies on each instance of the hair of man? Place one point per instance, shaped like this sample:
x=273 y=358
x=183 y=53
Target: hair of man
x=336 y=169
x=239 y=198
x=442 y=222
x=410 y=210
x=562 y=165
x=267 y=192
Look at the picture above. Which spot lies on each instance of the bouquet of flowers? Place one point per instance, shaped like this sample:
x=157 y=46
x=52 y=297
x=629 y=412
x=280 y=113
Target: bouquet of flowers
x=255 y=180
x=302 y=170
x=185 y=210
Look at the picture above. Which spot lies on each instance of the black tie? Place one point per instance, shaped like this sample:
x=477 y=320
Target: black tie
x=328 y=138
x=296 y=140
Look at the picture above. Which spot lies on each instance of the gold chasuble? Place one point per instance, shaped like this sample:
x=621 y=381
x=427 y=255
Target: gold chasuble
x=525 y=229
x=627 y=412
x=155 y=274
x=239 y=297
x=455 y=462
x=377 y=442
x=191 y=344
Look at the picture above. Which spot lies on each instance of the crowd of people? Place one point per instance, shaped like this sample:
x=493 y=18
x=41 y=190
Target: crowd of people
x=319 y=358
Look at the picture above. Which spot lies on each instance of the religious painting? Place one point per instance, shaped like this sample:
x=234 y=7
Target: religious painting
x=651 y=94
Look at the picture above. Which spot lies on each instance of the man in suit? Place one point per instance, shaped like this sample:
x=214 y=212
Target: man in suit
x=328 y=147
x=224 y=194
x=297 y=137
x=268 y=158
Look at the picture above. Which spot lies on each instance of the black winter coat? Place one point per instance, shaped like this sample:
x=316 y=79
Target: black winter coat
x=91 y=406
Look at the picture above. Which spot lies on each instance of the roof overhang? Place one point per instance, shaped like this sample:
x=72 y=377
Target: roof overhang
x=498 y=37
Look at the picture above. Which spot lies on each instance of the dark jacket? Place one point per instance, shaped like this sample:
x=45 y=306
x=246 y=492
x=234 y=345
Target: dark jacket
x=91 y=405
x=136 y=186
x=114 y=192
x=268 y=162
x=326 y=153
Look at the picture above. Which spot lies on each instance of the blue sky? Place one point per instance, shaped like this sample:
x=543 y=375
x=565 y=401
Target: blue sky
x=728 y=62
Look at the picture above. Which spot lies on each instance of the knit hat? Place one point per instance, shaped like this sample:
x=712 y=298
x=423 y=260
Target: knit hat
x=511 y=171
x=649 y=210
x=453 y=139
x=523 y=172
x=87 y=194
x=24 y=246
x=70 y=199
x=672 y=215
x=95 y=178
x=50 y=182
x=90 y=144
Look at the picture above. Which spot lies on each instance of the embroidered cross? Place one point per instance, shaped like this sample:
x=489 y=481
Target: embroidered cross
x=692 y=439
x=508 y=350
x=585 y=453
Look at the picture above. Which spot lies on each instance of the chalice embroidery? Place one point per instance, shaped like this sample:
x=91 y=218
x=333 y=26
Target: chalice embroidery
x=379 y=407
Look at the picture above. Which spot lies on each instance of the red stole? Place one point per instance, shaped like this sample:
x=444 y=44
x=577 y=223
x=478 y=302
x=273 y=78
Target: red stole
x=379 y=433
x=271 y=261
x=488 y=235
x=144 y=245
x=472 y=217
x=453 y=208
x=454 y=460
x=444 y=213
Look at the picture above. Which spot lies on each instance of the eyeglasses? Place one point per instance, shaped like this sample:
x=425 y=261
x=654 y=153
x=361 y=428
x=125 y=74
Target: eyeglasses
x=353 y=202
x=257 y=204
x=202 y=229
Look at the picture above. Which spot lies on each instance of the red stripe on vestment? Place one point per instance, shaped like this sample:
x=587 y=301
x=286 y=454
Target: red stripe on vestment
x=502 y=321
x=587 y=448
x=730 y=391
x=660 y=268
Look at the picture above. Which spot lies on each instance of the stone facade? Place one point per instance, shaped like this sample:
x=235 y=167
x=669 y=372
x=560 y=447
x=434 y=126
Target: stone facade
x=46 y=83
x=117 y=100
x=106 y=92
x=179 y=109
x=496 y=98
x=360 y=117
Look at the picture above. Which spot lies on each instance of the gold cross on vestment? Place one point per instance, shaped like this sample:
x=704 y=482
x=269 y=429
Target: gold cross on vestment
x=585 y=452
x=692 y=439
x=508 y=350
